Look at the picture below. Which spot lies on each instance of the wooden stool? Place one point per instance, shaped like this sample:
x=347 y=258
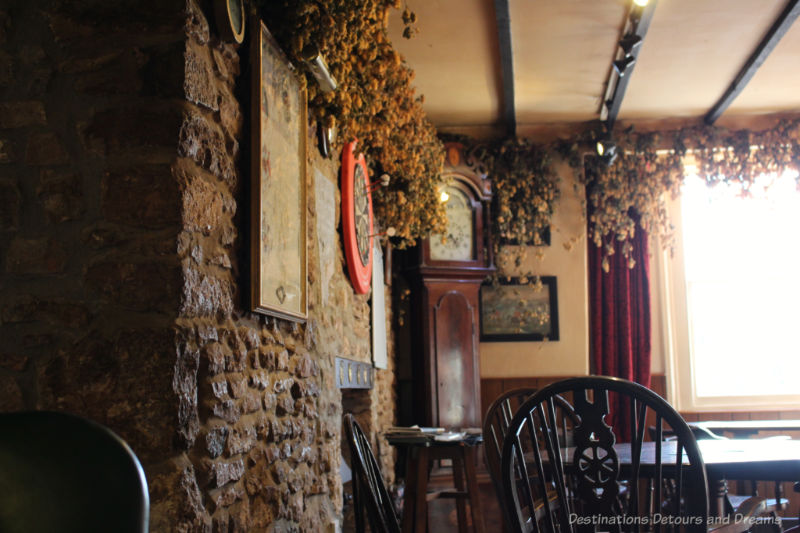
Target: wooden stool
x=418 y=458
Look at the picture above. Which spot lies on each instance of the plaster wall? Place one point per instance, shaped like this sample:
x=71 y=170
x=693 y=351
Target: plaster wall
x=566 y=259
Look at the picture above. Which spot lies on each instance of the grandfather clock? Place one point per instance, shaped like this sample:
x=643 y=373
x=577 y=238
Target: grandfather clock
x=445 y=273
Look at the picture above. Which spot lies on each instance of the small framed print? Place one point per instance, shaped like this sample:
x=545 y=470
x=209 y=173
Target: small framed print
x=279 y=255
x=513 y=312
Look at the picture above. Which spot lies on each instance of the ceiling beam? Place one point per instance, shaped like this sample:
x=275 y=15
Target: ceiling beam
x=764 y=48
x=503 y=18
x=637 y=21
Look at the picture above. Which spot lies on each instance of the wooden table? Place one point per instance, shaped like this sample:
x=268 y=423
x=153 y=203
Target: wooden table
x=747 y=427
x=725 y=459
x=419 y=453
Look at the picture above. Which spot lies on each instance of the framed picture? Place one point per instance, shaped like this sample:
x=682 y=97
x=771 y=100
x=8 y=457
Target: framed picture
x=514 y=312
x=279 y=255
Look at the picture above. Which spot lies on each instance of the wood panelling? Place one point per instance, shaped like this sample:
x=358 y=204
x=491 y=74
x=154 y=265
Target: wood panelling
x=491 y=388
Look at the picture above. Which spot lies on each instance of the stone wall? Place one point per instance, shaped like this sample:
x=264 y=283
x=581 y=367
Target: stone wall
x=122 y=186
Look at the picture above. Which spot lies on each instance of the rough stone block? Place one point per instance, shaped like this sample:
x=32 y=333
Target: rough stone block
x=240 y=517
x=10 y=205
x=14 y=362
x=306 y=367
x=270 y=401
x=251 y=402
x=7 y=149
x=203 y=208
x=228 y=411
x=55 y=311
x=45 y=149
x=259 y=379
x=241 y=439
x=122 y=75
x=10 y=394
x=215 y=353
x=5 y=25
x=202 y=141
x=157 y=197
x=204 y=295
x=118 y=131
x=196 y=23
x=61 y=196
x=238 y=385
x=176 y=503
x=215 y=441
x=22 y=113
x=163 y=74
x=285 y=406
x=219 y=388
x=35 y=256
x=125 y=383
x=184 y=384
x=148 y=286
x=200 y=84
x=223 y=473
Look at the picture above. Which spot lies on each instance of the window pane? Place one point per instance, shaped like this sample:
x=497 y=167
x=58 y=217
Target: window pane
x=743 y=286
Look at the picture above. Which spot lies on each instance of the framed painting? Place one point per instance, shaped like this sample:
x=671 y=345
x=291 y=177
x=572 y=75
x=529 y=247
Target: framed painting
x=514 y=312
x=278 y=194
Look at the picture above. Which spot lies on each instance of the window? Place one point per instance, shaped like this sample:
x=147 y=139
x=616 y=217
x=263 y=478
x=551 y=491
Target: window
x=734 y=312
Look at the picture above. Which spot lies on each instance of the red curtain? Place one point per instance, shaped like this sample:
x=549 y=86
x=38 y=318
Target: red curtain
x=619 y=311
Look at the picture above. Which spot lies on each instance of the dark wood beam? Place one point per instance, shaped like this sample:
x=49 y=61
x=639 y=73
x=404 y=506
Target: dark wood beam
x=644 y=15
x=503 y=18
x=764 y=48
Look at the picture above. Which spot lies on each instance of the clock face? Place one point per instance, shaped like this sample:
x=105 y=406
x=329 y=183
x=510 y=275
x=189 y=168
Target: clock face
x=458 y=241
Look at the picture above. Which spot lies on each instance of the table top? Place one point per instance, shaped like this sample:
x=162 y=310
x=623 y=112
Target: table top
x=762 y=459
x=429 y=439
x=748 y=425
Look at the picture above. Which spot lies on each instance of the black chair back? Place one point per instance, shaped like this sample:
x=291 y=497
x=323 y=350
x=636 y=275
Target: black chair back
x=369 y=491
x=495 y=427
x=60 y=472
x=595 y=481
x=498 y=417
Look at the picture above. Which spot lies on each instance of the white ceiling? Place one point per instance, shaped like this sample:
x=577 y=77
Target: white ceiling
x=563 y=50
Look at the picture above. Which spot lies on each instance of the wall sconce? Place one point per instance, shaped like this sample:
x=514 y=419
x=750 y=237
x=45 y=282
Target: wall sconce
x=319 y=69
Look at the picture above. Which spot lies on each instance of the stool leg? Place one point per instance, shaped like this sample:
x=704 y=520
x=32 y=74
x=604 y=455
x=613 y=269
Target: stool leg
x=458 y=476
x=409 y=498
x=421 y=490
x=474 y=495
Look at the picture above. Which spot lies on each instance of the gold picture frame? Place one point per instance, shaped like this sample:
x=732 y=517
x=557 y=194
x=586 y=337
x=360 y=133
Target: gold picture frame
x=279 y=269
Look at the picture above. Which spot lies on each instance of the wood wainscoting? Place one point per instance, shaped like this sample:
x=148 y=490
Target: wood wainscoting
x=491 y=388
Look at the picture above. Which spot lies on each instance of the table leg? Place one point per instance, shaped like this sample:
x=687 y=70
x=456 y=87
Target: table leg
x=409 y=497
x=458 y=476
x=472 y=484
x=420 y=490
x=720 y=492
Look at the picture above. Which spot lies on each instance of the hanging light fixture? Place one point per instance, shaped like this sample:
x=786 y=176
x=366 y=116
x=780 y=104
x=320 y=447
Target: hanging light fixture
x=629 y=42
x=622 y=65
x=607 y=150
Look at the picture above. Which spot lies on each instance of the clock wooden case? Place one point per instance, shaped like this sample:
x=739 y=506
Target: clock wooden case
x=441 y=377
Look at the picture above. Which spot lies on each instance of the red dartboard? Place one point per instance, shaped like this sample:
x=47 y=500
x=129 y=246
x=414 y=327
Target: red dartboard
x=357 y=218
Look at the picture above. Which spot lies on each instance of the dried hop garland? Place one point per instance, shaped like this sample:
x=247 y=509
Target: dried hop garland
x=374 y=102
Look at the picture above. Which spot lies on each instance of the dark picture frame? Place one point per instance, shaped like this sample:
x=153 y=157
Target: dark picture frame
x=515 y=312
x=279 y=269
